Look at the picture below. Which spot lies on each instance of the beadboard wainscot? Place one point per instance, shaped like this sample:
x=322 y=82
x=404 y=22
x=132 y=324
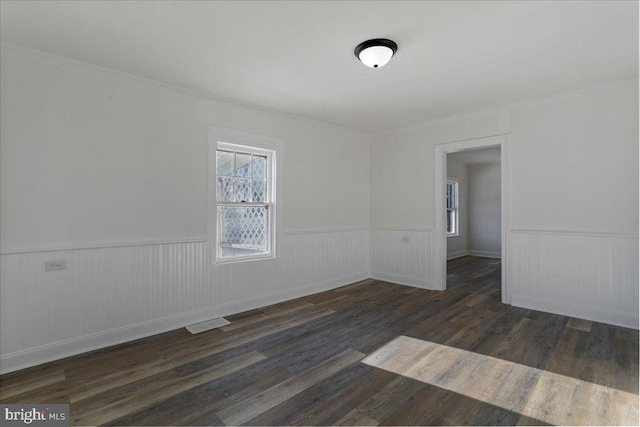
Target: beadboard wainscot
x=587 y=275
x=113 y=293
x=403 y=255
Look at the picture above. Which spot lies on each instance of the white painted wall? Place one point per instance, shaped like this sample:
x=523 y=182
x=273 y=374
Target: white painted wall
x=574 y=178
x=576 y=157
x=484 y=209
x=115 y=168
x=458 y=245
x=89 y=156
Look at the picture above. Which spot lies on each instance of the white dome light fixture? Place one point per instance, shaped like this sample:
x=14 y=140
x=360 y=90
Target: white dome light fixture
x=375 y=53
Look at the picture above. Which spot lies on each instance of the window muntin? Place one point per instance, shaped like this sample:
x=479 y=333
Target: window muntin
x=245 y=200
x=452 y=206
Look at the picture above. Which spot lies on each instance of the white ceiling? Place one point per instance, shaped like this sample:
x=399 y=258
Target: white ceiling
x=481 y=155
x=297 y=56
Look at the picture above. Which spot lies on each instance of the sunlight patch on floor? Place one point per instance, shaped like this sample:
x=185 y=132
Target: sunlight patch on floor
x=553 y=398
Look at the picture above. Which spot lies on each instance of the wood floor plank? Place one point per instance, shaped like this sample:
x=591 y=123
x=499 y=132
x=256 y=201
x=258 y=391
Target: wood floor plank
x=471 y=331
x=356 y=419
x=419 y=408
x=328 y=400
x=266 y=317
x=355 y=286
x=626 y=334
x=12 y=387
x=381 y=404
x=143 y=369
x=83 y=367
x=601 y=342
x=627 y=367
x=198 y=406
x=135 y=396
x=261 y=402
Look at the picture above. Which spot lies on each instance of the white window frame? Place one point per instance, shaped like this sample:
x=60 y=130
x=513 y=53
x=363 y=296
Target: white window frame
x=456 y=208
x=233 y=140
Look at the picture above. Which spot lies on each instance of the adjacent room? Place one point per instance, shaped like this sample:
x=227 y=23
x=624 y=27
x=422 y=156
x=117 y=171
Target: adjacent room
x=319 y=212
x=474 y=227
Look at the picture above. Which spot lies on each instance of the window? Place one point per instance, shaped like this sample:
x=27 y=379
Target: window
x=244 y=205
x=453 y=214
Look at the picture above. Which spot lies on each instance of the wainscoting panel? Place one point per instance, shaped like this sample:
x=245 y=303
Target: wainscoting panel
x=403 y=256
x=109 y=295
x=586 y=275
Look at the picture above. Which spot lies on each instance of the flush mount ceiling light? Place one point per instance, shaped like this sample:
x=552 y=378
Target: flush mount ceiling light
x=375 y=53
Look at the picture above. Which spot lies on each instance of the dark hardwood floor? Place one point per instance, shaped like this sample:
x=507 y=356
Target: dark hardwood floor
x=365 y=354
x=474 y=271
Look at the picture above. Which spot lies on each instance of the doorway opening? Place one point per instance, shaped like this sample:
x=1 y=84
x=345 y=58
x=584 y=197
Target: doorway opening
x=472 y=199
x=473 y=219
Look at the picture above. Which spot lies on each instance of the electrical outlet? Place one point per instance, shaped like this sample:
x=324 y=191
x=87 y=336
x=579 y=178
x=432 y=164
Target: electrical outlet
x=60 y=264
x=406 y=239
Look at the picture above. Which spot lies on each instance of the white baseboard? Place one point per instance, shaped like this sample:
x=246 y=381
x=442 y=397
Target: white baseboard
x=627 y=320
x=59 y=350
x=457 y=254
x=402 y=280
x=485 y=254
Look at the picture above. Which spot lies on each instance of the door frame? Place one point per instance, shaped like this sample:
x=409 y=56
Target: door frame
x=440 y=229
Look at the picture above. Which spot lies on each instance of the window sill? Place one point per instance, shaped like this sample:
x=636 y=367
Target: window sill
x=233 y=260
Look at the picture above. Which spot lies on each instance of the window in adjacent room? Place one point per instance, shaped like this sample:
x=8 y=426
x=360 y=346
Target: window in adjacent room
x=245 y=210
x=453 y=214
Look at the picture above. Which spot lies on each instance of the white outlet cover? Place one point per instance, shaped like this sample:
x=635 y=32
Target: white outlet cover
x=56 y=265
